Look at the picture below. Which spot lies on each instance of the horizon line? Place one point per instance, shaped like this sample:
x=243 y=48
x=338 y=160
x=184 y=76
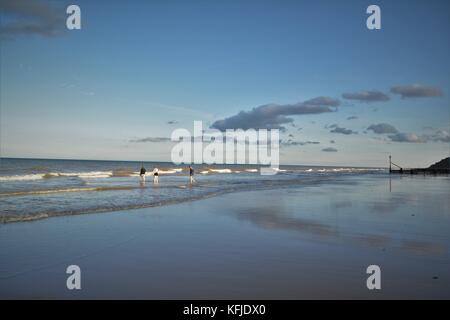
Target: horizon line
x=154 y=161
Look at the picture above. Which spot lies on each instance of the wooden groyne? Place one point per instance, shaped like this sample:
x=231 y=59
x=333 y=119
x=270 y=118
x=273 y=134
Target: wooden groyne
x=432 y=171
x=420 y=171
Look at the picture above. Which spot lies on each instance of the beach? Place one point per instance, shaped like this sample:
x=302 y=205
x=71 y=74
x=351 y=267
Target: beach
x=225 y=159
x=299 y=242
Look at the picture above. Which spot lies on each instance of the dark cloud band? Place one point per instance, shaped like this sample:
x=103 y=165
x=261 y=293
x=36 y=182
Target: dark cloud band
x=416 y=91
x=366 y=96
x=31 y=18
x=275 y=116
x=382 y=128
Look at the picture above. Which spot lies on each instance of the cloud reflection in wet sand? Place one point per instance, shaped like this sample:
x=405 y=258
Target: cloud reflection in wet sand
x=271 y=218
x=422 y=248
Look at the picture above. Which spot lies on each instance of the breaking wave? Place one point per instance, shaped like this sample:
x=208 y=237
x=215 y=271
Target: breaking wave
x=49 y=175
x=50 y=191
x=171 y=171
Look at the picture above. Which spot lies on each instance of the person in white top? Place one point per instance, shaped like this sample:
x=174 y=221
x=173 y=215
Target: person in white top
x=155 y=176
x=191 y=175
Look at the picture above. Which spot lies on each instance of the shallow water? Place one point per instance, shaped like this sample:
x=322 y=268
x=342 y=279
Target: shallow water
x=33 y=189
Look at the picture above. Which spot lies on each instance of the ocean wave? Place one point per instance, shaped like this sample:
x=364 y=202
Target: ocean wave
x=83 y=175
x=165 y=194
x=88 y=175
x=169 y=171
x=49 y=175
x=50 y=191
x=220 y=170
x=22 y=177
x=227 y=170
x=123 y=173
x=337 y=170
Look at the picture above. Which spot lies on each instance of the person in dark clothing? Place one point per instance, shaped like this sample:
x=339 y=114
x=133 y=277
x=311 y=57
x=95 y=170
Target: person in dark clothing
x=191 y=175
x=142 y=173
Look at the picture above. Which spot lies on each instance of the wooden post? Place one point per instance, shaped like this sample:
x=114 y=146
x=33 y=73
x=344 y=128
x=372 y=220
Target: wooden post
x=390 y=168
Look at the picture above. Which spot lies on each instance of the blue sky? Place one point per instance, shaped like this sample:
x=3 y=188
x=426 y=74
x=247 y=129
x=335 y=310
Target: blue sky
x=135 y=66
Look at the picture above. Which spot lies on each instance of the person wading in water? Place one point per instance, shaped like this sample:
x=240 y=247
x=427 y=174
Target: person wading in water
x=191 y=175
x=142 y=173
x=155 y=176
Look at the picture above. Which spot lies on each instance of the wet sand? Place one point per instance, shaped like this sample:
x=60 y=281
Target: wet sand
x=295 y=243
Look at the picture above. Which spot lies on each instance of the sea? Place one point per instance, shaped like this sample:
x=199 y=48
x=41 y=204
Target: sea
x=33 y=189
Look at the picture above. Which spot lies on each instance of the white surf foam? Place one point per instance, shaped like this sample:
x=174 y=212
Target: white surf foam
x=22 y=177
x=220 y=170
x=38 y=176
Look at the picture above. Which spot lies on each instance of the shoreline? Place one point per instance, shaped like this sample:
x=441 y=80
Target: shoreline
x=5 y=219
x=41 y=216
x=47 y=215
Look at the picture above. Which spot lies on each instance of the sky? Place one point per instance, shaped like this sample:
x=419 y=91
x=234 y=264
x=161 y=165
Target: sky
x=341 y=94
